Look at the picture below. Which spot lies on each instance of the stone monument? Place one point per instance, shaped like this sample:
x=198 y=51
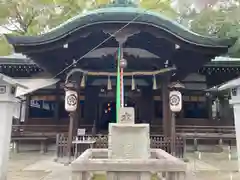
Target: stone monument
x=234 y=87
x=127 y=140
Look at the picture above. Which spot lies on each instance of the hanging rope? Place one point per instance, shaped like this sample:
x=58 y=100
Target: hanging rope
x=136 y=73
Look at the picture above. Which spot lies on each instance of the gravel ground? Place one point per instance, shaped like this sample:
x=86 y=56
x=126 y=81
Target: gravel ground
x=18 y=162
x=34 y=166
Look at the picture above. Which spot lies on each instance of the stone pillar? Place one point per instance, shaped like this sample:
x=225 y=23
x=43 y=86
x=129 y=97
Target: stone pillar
x=127 y=140
x=7 y=103
x=235 y=101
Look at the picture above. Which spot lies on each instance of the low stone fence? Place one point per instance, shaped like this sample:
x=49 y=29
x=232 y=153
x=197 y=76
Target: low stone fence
x=157 y=142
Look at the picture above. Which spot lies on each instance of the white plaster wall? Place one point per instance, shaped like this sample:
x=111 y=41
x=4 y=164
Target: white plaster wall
x=16 y=111
x=19 y=110
x=24 y=106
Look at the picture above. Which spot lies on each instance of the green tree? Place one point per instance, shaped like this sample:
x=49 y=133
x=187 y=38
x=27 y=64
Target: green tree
x=161 y=6
x=5 y=48
x=29 y=17
x=22 y=17
x=222 y=21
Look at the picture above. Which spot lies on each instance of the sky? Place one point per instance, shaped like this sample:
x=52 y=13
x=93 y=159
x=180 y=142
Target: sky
x=3 y=30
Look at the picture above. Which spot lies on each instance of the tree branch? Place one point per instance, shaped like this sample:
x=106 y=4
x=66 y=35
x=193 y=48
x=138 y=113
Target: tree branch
x=31 y=20
x=20 y=19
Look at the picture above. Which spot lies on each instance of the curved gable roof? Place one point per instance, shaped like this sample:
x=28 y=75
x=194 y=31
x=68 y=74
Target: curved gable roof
x=120 y=15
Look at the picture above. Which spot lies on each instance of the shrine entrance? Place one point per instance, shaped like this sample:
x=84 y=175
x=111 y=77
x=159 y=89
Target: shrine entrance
x=107 y=113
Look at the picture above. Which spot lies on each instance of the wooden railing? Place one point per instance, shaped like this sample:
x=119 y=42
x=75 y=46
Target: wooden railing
x=205 y=129
x=38 y=130
x=198 y=129
x=223 y=134
x=157 y=142
x=54 y=129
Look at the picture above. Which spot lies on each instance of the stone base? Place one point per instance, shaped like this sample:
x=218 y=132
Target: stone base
x=129 y=176
x=95 y=160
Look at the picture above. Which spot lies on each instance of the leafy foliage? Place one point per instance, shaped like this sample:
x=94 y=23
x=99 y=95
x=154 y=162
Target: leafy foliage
x=221 y=21
x=5 y=48
x=161 y=6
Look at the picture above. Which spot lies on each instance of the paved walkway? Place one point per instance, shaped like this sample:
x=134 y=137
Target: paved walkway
x=33 y=166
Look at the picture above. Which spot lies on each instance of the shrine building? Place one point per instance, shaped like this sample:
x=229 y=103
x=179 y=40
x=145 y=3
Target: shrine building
x=159 y=53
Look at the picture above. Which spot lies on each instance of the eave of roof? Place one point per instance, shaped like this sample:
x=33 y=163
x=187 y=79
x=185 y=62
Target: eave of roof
x=16 y=58
x=225 y=86
x=120 y=15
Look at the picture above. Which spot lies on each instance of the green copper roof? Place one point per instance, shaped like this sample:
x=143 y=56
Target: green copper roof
x=120 y=15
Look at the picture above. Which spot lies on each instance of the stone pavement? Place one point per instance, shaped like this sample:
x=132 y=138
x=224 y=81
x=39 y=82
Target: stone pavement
x=34 y=166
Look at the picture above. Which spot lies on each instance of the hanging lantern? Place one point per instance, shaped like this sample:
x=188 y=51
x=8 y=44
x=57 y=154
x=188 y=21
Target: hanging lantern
x=109 y=84
x=83 y=81
x=154 y=83
x=175 y=101
x=133 y=84
x=71 y=100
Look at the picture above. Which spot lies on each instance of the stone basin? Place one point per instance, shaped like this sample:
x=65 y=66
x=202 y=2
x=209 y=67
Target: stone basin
x=97 y=160
x=128 y=157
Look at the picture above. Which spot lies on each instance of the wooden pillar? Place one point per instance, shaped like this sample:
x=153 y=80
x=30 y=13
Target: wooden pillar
x=72 y=128
x=77 y=113
x=166 y=108
x=70 y=136
x=57 y=104
x=77 y=119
